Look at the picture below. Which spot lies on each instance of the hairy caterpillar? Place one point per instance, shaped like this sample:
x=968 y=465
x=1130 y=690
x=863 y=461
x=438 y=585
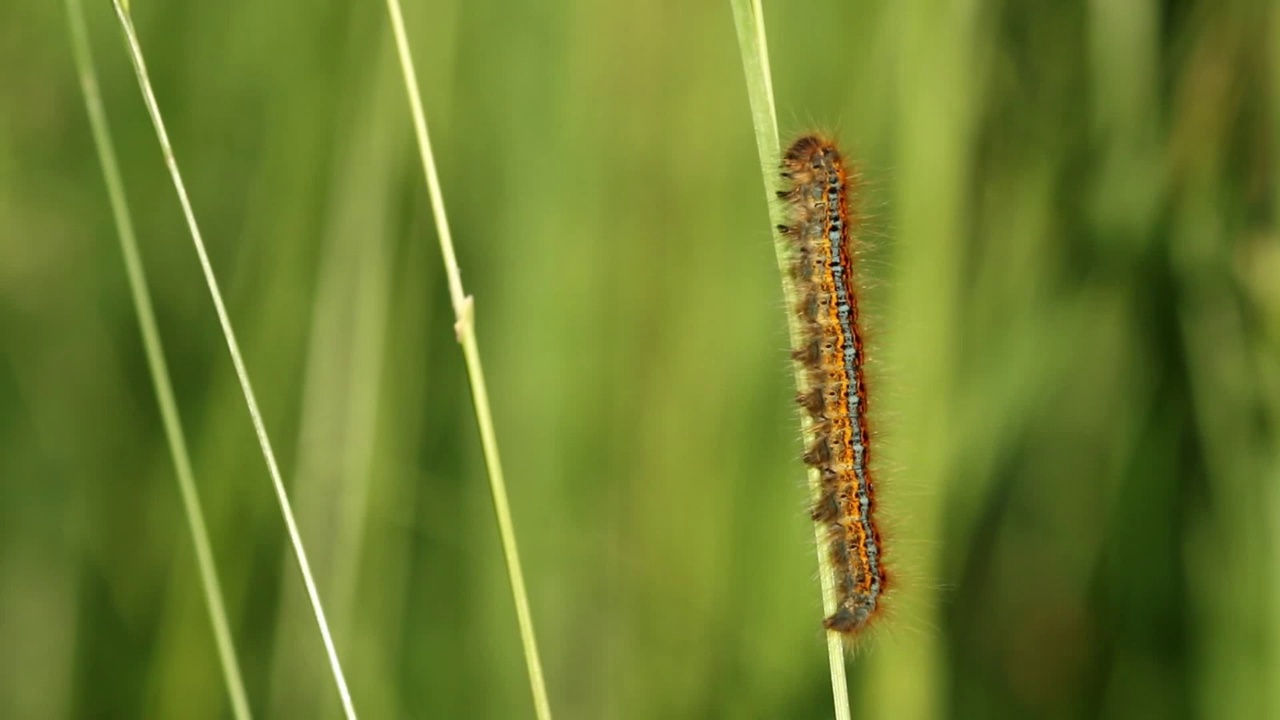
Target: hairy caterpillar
x=834 y=392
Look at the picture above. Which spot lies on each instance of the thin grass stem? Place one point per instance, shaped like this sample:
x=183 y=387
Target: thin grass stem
x=748 y=18
x=155 y=360
x=148 y=96
x=464 y=327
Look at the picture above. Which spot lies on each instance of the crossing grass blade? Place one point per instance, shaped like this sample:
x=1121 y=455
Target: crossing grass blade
x=242 y=374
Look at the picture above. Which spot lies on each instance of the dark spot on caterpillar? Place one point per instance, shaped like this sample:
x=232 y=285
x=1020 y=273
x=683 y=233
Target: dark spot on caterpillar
x=808 y=354
x=810 y=400
x=827 y=508
x=819 y=454
x=842 y=620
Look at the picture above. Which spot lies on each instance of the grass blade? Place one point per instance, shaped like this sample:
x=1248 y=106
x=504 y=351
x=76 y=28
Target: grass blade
x=155 y=359
x=148 y=96
x=749 y=20
x=464 y=313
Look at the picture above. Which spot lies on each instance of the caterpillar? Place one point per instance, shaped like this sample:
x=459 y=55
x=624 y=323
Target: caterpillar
x=816 y=191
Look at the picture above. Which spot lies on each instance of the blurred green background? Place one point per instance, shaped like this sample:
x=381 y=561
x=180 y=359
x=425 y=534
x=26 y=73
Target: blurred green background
x=1075 y=291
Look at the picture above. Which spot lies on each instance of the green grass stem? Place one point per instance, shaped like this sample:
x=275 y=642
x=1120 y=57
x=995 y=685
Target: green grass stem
x=464 y=327
x=148 y=96
x=155 y=359
x=748 y=18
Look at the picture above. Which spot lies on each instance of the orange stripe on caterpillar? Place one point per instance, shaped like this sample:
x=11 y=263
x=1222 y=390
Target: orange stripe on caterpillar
x=816 y=190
